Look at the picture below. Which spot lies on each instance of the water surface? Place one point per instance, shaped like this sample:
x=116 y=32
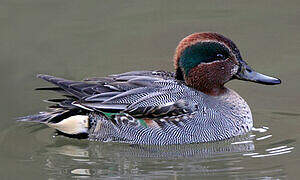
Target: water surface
x=78 y=39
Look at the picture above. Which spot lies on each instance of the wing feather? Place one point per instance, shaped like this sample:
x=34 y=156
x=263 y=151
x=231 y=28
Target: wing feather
x=139 y=93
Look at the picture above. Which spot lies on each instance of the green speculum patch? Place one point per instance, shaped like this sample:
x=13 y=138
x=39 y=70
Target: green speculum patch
x=110 y=115
x=202 y=52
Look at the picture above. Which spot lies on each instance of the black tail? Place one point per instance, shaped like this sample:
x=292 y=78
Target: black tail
x=54 y=116
x=41 y=117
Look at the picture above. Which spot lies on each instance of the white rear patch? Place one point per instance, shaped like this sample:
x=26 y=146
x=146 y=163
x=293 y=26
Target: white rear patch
x=72 y=125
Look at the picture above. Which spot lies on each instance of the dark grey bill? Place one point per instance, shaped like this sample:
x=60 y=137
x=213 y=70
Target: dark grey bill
x=246 y=73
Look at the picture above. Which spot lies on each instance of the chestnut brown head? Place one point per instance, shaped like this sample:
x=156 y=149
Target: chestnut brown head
x=206 y=61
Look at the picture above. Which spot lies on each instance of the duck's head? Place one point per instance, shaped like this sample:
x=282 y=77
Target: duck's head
x=206 y=61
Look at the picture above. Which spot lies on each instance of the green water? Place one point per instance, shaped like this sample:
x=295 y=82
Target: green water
x=78 y=39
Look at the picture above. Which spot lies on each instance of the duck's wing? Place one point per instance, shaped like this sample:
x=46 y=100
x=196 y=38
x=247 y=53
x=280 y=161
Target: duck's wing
x=98 y=85
x=161 y=97
x=138 y=93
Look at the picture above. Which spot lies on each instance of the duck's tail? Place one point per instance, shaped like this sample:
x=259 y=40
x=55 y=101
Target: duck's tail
x=41 y=117
x=68 y=121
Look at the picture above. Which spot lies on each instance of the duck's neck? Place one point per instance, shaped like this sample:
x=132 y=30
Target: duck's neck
x=205 y=82
x=214 y=91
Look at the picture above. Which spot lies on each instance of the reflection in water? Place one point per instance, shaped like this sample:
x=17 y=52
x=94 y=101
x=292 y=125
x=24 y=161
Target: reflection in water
x=224 y=158
x=122 y=159
x=274 y=151
x=201 y=151
x=62 y=157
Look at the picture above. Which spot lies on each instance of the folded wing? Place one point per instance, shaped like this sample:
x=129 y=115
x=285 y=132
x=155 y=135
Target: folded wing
x=138 y=93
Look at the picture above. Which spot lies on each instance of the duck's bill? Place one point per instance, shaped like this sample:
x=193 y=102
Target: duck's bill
x=247 y=74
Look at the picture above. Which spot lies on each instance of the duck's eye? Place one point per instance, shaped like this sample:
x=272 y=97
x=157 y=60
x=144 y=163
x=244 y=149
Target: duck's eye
x=220 y=56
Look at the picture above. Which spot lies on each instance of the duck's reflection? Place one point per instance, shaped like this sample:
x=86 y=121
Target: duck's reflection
x=61 y=158
x=108 y=159
x=96 y=150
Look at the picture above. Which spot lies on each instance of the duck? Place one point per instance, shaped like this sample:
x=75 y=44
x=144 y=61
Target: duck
x=190 y=105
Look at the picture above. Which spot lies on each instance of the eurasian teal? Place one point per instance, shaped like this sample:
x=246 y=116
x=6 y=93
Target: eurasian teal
x=191 y=105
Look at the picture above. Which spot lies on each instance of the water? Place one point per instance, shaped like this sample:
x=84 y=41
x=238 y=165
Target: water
x=78 y=39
